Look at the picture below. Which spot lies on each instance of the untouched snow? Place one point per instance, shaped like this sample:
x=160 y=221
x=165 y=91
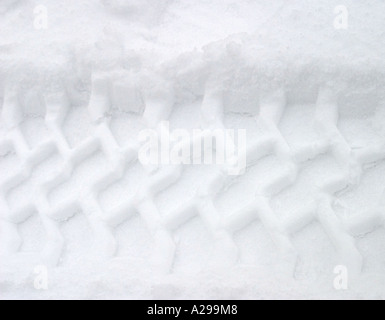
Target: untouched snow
x=310 y=96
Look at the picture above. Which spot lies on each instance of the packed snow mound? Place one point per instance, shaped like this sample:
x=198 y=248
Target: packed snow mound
x=296 y=32
x=81 y=79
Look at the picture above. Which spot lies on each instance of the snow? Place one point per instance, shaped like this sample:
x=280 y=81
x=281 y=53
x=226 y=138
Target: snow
x=74 y=199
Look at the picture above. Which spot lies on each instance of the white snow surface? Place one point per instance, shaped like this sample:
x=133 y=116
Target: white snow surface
x=278 y=36
x=177 y=52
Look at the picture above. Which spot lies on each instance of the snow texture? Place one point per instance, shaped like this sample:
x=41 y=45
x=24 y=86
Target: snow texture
x=75 y=199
